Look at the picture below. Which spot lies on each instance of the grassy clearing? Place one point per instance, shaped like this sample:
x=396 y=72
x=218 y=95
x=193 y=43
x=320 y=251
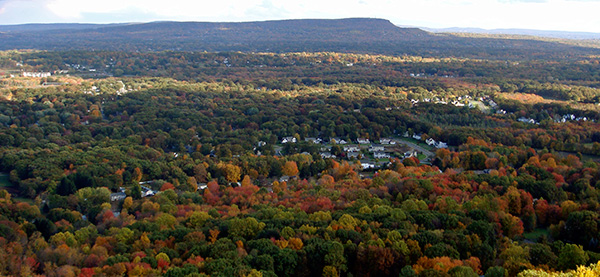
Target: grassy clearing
x=4 y=182
x=536 y=234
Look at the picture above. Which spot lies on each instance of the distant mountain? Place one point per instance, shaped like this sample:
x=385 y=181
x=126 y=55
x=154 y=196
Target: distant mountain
x=353 y=34
x=53 y=26
x=525 y=32
x=359 y=35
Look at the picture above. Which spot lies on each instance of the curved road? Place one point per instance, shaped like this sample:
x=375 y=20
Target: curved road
x=426 y=152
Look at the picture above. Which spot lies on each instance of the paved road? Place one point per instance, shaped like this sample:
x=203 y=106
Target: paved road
x=426 y=152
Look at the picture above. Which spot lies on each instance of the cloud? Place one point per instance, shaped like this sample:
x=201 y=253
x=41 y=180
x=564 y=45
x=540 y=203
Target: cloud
x=524 y=1
x=571 y=15
x=267 y=9
x=24 y=11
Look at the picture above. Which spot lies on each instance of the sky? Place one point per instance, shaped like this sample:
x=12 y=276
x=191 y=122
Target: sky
x=559 y=15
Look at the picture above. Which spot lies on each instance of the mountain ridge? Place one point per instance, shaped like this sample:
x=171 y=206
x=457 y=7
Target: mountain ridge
x=350 y=35
x=512 y=31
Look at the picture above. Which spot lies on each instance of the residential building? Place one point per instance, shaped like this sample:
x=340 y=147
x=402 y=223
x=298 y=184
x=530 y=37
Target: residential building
x=381 y=155
x=289 y=140
x=363 y=141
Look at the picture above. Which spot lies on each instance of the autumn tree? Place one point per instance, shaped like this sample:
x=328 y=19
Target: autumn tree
x=232 y=173
x=290 y=168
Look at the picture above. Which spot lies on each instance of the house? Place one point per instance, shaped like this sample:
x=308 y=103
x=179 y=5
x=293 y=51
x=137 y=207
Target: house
x=37 y=74
x=457 y=104
x=367 y=165
x=146 y=191
x=417 y=137
x=441 y=145
x=261 y=143
x=117 y=196
x=313 y=140
x=202 y=186
x=289 y=139
x=385 y=141
x=351 y=149
x=362 y=141
x=527 y=120
x=338 y=141
x=327 y=155
x=353 y=155
x=376 y=148
x=381 y=155
x=430 y=141
x=409 y=154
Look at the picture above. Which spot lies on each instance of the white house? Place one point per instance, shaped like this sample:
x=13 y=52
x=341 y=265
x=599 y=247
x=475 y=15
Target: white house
x=381 y=155
x=441 y=145
x=117 y=196
x=376 y=148
x=367 y=165
x=351 y=149
x=457 y=104
x=146 y=191
x=409 y=154
x=338 y=141
x=327 y=155
x=362 y=141
x=527 y=120
x=37 y=74
x=289 y=139
x=430 y=141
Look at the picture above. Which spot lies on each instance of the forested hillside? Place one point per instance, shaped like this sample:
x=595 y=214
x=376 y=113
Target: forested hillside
x=180 y=163
x=354 y=35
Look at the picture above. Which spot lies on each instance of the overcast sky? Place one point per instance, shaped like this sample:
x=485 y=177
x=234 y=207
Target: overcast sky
x=562 y=15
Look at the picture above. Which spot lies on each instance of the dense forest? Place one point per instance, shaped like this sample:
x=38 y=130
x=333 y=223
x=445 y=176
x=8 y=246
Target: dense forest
x=182 y=163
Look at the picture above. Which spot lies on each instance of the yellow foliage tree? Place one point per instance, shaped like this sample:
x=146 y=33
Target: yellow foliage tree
x=290 y=168
x=246 y=181
x=232 y=173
